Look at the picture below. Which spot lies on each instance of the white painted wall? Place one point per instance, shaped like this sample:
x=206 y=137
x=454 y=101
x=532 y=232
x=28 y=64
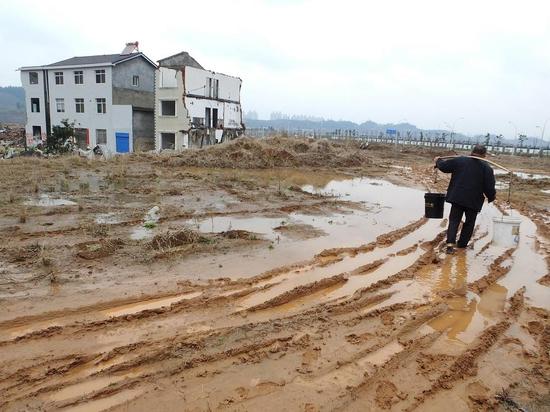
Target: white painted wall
x=169 y=86
x=196 y=83
x=34 y=90
x=233 y=116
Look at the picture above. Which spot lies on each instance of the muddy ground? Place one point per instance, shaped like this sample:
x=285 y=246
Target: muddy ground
x=275 y=275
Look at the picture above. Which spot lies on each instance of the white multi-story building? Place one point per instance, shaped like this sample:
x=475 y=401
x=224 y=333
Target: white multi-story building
x=110 y=99
x=194 y=107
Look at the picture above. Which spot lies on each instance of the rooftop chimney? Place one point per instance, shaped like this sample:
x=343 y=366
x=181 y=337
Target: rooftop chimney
x=130 y=48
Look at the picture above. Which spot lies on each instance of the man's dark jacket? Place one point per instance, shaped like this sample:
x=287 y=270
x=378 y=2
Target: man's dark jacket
x=470 y=180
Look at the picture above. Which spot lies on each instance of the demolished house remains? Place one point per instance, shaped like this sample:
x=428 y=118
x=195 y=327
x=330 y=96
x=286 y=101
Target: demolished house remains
x=110 y=99
x=194 y=107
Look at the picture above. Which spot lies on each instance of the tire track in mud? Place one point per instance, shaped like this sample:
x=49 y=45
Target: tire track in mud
x=300 y=291
x=496 y=271
x=465 y=365
x=153 y=359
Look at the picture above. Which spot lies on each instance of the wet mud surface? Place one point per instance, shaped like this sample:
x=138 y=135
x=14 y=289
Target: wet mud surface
x=134 y=285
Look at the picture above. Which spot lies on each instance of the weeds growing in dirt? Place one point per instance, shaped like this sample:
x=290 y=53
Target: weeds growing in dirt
x=63 y=185
x=178 y=238
x=96 y=229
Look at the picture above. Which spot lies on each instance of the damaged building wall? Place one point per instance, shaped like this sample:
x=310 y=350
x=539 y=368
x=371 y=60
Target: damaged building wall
x=204 y=109
x=171 y=130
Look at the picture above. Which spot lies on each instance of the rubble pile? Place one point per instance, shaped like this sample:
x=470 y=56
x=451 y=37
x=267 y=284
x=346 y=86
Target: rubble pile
x=12 y=138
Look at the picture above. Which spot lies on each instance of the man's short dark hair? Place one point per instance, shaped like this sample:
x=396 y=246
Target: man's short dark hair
x=479 y=149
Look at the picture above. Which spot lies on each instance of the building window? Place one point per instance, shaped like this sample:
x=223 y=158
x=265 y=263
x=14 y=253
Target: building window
x=197 y=122
x=100 y=76
x=35 y=105
x=60 y=105
x=168 y=108
x=207 y=118
x=101 y=105
x=58 y=77
x=79 y=104
x=167 y=141
x=33 y=77
x=101 y=136
x=79 y=77
x=215 y=88
x=135 y=81
x=36 y=131
x=208 y=87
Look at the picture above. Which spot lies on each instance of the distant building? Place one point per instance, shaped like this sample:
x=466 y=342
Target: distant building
x=194 y=107
x=109 y=97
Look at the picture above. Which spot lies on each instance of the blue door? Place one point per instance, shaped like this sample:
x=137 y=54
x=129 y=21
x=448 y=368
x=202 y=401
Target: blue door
x=122 y=142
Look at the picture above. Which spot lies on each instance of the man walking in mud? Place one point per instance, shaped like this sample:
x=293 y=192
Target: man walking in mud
x=471 y=181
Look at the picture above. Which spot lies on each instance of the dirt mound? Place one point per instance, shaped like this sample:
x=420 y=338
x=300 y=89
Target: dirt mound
x=98 y=249
x=173 y=239
x=251 y=153
x=239 y=234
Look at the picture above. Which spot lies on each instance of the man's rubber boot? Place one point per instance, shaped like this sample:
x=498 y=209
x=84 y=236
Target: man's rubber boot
x=450 y=249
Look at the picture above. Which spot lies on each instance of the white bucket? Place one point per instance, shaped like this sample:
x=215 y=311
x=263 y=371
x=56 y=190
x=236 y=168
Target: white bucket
x=506 y=231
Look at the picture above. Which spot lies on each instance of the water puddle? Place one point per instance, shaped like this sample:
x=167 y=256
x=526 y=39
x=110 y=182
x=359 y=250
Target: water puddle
x=107 y=218
x=522 y=175
x=312 y=273
x=106 y=403
x=25 y=329
x=527 y=266
x=45 y=200
x=148 y=305
x=382 y=211
x=122 y=310
x=89 y=386
x=468 y=316
x=150 y=221
x=382 y=355
x=301 y=303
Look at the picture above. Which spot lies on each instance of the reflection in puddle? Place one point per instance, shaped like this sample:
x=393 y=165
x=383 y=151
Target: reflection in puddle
x=468 y=314
x=45 y=200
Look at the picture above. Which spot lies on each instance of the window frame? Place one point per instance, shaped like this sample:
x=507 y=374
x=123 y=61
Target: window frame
x=101 y=105
x=162 y=134
x=33 y=75
x=60 y=102
x=100 y=75
x=135 y=80
x=78 y=74
x=79 y=101
x=175 y=108
x=97 y=136
x=59 y=78
x=37 y=99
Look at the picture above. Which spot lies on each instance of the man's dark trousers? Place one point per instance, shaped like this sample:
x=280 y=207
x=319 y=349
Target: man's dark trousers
x=455 y=216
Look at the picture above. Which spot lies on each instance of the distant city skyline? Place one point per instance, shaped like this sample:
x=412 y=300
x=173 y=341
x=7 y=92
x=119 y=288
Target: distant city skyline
x=476 y=66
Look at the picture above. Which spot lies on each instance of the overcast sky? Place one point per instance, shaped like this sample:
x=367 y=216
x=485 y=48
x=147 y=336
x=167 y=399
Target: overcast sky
x=474 y=64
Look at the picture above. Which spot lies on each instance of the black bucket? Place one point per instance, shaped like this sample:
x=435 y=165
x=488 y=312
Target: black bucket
x=434 y=204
